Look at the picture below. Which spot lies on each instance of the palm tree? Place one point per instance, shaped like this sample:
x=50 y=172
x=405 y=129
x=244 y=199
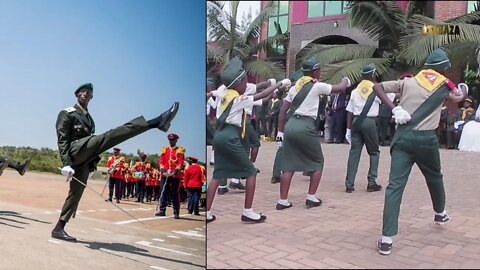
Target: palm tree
x=402 y=46
x=229 y=41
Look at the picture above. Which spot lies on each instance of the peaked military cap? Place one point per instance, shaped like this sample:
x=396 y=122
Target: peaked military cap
x=296 y=75
x=116 y=149
x=193 y=159
x=369 y=69
x=86 y=86
x=172 y=136
x=233 y=72
x=437 y=60
x=310 y=64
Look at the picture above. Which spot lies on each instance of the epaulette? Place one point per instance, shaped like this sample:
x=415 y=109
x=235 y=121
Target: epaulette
x=70 y=109
x=164 y=149
x=181 y=150
x=110 y=158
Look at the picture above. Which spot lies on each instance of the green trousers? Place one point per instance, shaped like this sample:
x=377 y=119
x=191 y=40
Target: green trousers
x=420 y=147
x=366 y=134
x=86 y=150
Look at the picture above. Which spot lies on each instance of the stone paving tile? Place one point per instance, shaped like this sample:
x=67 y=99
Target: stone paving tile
x=343 y=231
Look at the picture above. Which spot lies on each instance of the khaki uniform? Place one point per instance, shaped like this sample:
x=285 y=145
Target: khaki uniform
x=419 y=146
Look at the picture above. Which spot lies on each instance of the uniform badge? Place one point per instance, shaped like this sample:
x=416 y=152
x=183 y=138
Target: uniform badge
x=70 y=109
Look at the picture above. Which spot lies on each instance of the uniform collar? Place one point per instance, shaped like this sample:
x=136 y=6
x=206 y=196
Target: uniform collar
x=85 y=111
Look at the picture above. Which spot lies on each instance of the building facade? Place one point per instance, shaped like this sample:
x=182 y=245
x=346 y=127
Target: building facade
x=324 y=22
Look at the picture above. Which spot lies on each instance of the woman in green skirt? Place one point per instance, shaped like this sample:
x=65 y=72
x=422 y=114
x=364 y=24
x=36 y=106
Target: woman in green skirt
x=231 y=159
x=302 y=150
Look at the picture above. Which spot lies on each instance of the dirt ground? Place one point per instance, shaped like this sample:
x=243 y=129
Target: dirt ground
x=107 y=238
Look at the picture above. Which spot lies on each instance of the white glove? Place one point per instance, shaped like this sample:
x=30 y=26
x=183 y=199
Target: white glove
x=348 y=81
x=286 y=83
x=279 y=139
x=464 y=89
x=272 y=81
x=220 y=92
x=67 y=171
x=348 y=136
x=401 y=116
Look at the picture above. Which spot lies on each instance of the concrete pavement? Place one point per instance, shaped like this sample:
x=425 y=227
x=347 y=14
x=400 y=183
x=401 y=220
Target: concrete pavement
x=343 y=231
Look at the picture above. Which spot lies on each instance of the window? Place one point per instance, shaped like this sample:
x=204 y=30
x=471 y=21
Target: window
x=325 y=8
x=471 y=6
x=280 y=16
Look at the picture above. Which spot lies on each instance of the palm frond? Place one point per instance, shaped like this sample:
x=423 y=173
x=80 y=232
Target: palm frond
x=253 y=30
x=214 y=54
x=334 y=73
x=265 y=69
x=462 y=53
x=328 y=54
x=378 y=19
x=216 y=26
x=468 y=18
x=233 y=14
x=277 y=39
x=415 y=46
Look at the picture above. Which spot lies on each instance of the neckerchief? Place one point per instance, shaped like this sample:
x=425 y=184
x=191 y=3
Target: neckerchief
x=301 y=82
x=430 y=79
x=365 y=88
x=465 y=111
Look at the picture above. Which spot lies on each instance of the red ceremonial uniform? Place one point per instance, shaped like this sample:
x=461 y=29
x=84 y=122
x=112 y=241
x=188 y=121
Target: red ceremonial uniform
x=193 y=176
x=172 y=158
x=116 y=171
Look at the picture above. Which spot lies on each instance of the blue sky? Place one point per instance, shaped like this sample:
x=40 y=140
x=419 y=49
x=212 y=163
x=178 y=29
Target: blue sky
x=140 y=56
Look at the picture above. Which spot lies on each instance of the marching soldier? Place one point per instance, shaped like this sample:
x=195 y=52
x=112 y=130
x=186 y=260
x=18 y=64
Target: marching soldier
x=148 y=182
x=302 y=150
x=139 y=173
x=193 y=181
x=171 y=163
x=415 y=140
x=115 y=166
x=21 y=168
x=361 y=129
x=80 y=149
x=231 y=157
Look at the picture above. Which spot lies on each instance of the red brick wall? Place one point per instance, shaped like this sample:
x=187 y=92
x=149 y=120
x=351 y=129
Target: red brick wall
x=445 y=10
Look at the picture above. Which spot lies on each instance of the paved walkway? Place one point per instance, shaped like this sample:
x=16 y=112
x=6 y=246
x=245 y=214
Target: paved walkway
x=343 y=231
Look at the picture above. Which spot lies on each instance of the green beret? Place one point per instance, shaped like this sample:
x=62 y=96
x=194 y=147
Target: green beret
x=233 y=72
x=86 y=86
x=369 y=69
x=296 y=75
x=437 y=60
x=310 y=64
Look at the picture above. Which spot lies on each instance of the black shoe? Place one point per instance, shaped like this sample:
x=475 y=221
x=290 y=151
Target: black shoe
x=441 y=219
x=167 y=117
x=109 y=199
x=176 y=216
x=257 y=170
x=281 y=206
x=212 y=219
x=311 y=204
x=221 y=191
x=3 y=166
x=118 y=201
x=275 y=179
x=190 y=212
x=349 y=189
x=160 y=214
x=23 y=168
x=62 y=235
x=384 y=248
x=238 y=185
x=373 y=188
x=197 y=214
x=251 y=220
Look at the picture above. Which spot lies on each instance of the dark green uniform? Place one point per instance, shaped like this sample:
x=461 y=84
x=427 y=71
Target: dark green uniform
x=80 y=149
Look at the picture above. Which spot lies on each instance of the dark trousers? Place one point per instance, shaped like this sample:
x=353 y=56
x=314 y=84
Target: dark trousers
x=140 y=186
x=420 y=147
x=338 y=125
x=273 y=125
x=149 y=192
x=170 y=186
x=383 y=125
x=193 y=195
x=130 y=191
x=86 y=150
x=114 y=182
x=156 y=193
